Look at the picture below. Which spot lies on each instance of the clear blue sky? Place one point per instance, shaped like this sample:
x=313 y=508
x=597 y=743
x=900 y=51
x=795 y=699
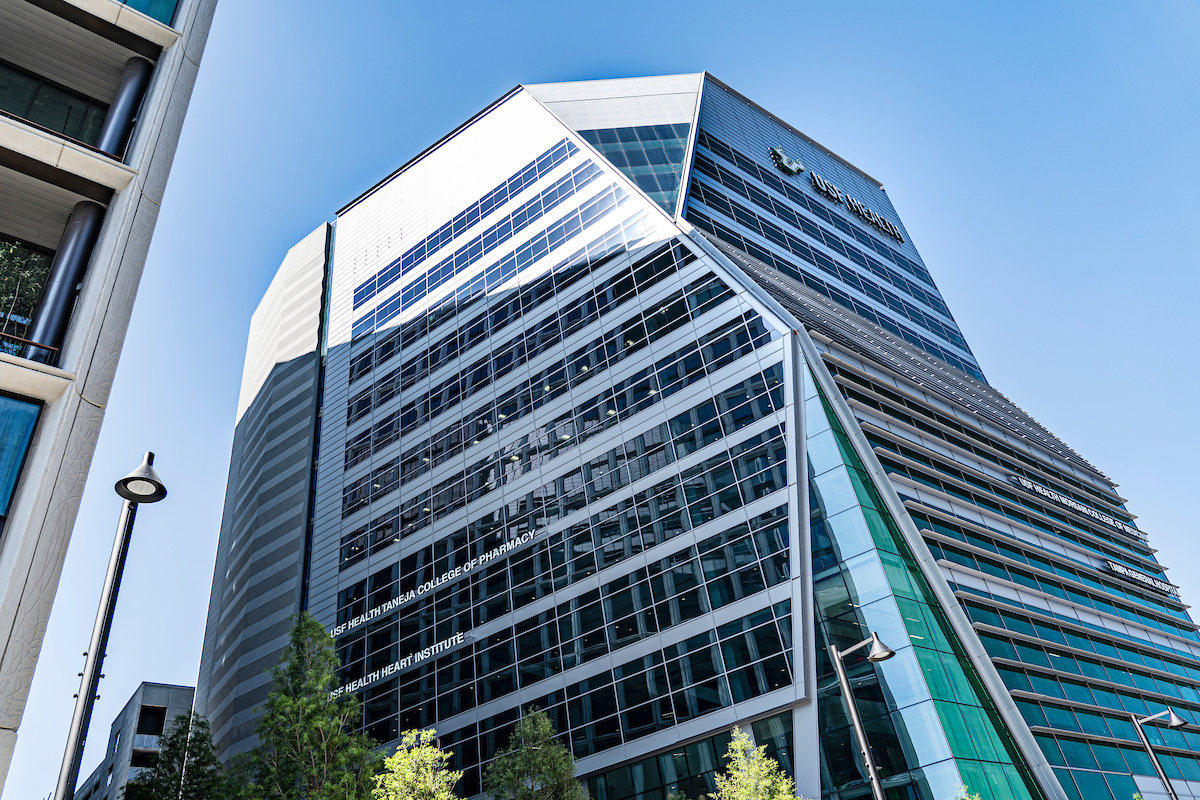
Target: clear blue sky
x=1042 y=155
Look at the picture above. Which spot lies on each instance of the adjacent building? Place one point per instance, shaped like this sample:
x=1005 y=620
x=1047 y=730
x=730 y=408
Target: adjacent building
x=92 y=97
x=134 y=739
x=627 y=400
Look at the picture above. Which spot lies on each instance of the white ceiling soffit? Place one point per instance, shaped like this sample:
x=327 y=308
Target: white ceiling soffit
x=622 y=102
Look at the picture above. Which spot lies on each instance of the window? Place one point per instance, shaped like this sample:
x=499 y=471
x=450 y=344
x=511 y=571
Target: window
x=31 y=97
x=142 y=758
x=17 y=421
x=152 y=720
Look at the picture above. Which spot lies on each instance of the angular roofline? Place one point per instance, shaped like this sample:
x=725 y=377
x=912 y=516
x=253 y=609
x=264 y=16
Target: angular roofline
x=704 y=75
x=488 y=108
x=790 y=127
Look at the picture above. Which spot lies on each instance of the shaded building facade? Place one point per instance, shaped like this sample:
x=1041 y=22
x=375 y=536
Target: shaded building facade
x=93 y=95
x=626 y=400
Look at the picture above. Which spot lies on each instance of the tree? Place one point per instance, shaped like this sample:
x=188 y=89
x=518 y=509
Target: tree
x=185 y=768
x=417 y=771
x=306 y=748
x=751 y=774
x=535 y=766
x=20 y=269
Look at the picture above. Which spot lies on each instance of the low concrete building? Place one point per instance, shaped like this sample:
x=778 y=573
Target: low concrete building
x=134 y=738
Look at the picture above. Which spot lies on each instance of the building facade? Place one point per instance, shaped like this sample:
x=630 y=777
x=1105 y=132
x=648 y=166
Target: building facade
x=134 y=738
x=626 y=400
x=92 y=97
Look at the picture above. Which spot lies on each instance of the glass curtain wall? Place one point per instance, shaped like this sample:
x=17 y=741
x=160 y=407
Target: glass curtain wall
x=649 y=155
x=930 y=723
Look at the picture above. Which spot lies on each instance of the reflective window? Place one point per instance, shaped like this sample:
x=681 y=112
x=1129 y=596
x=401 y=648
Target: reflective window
x=668 y=686
x=650 y=155
x=493 y=237
x=925 y=706
x=736 y=407
x=770 y=178
x=43 y=103
x=727 y=234
x=464 y=220
x=17 y=421
x=161 y=10
x=590 y=213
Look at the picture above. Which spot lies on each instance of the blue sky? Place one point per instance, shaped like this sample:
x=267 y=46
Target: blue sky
x=1042 y=155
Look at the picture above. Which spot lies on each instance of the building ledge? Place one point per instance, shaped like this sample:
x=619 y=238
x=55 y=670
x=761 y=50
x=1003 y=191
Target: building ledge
x=63 y=155
x=31 y=379
x=135 y=22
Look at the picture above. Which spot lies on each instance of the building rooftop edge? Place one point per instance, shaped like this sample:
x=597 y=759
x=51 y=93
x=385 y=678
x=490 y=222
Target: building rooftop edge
x=790 y=127
x=485 y=110
x=704 y=75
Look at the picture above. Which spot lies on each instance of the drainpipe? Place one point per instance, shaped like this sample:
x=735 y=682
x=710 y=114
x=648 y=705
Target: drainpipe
x=118 y=124
x=53 y=312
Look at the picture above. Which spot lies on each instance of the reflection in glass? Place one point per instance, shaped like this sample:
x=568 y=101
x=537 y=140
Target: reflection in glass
x=929 y=722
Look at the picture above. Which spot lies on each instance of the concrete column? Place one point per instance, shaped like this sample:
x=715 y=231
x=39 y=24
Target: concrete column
x=114 y=133
x=53 y=312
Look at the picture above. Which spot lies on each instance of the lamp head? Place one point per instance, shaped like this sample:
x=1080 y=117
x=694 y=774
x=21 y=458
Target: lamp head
x=143 y=484
x=879 y=651
x=1174 y=720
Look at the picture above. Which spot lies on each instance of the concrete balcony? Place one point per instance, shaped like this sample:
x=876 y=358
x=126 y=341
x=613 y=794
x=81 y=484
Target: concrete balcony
x=75 y=68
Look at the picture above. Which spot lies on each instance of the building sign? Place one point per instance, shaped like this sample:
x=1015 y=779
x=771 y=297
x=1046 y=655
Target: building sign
x=789 y=165
x=1087 y=511
x=1149 y=581
x=424 y=589
x=429 y=586
x=834 y=194
x=402 y=664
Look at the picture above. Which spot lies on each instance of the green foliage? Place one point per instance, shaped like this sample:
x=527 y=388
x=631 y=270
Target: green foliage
x=305 y=750
x=535 y=766
x=965 y=794
x=417 y=771
x=186 y=767
x=751 y=774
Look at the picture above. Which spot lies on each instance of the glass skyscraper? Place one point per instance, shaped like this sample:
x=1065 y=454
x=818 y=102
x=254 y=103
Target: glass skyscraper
x=626 y=400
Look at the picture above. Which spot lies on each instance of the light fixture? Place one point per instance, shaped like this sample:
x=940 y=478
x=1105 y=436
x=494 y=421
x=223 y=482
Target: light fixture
x=143 y=484
x=1173 y=721
x=137 y=488
x=878 y=652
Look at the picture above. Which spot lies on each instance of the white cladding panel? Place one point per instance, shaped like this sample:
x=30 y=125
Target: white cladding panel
x=287 y=322
x=375 y=231
x=622 y=103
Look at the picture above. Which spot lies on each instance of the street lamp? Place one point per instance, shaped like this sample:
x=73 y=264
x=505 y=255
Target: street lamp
x=878 y=652
x=140 y=486
x=1173 y=721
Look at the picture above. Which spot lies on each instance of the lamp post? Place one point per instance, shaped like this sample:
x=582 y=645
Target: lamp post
x=140 y=486
x=1173 y=721
x=878 y=652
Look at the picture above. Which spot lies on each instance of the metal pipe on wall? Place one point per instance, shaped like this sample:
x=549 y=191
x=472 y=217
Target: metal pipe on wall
x=118 y=124
x=53 y=311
